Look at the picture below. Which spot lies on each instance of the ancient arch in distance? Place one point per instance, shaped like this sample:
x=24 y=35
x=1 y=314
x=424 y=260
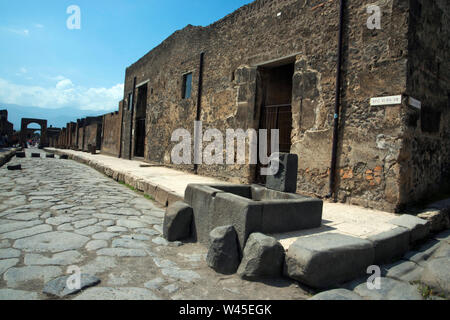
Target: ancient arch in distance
x=24 y=127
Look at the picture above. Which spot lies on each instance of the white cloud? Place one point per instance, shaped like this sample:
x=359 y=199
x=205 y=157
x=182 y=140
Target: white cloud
x=64 y=94
x=39 y=26
x=22 y=32
x=64 y=84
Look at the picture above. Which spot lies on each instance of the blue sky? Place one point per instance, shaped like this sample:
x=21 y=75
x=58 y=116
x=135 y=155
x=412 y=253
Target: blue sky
x=44 y=64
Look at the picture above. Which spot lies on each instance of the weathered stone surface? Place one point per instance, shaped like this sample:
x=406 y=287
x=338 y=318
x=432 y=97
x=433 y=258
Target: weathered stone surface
x=439 y=219
x=308 y=260
x=59 y=259
x=160 y=241
x=58 y=287
x=403 y=271
x=106 y=293
x=87 y=231
x=443 y=236
x=128 y=243
x=223 y=253
x=443 y=251
x=263 y=257
x=285 y=180
x=16 y=277
x=419 y=228
x=337 y=294
x=154 y=284
x=9 y=253
x=104 y=236
x=116 y=229
x=390 y=289
x=423 y=253
x=84 y=223
x=96 y=244
x=122 y=252
x=390 y=245
x=99 y=265
x=146 y=231
x=172 y=288
x=177 y=221
x=11 y=294
x=13 y=226
x=131 y=224
x=6 y=264
x=26 y=216
x=437 y=275
x=176 y=273
x=51 y=242
x=27 y=232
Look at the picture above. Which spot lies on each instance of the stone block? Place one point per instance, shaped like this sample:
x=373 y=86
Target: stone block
x=64 y=157
x=20 y=155
x=35 y=155
x=439 y=219
x=50 y=155
x=263 y=257
x=285 y=180
x=244 y=215
x=325 y=260
x=223 y=253
x=336 y=294
x=201 y=199
x=58 y=287
x=271 y=212
x=390 y=289
x=177 y=222
x=284 y=216
x=419 y=228
x=437 y=275
x=390 y=245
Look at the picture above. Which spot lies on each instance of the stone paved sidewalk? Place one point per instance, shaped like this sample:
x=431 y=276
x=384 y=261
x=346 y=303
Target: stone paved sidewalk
x=168 y=185
x=58 y=213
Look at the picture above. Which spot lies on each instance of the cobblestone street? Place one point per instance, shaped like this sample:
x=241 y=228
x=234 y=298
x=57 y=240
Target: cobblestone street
x=59 y=213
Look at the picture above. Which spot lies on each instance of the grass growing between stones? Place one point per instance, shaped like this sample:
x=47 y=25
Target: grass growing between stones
x=427 y=292
x=146 y=196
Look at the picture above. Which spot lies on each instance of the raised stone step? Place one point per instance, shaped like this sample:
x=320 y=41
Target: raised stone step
x=324 y=260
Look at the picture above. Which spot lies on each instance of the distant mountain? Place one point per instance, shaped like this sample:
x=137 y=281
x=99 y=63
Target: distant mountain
x=55 y=117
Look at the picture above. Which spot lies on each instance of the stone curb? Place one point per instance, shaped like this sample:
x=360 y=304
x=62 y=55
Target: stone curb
x=159 y=193
x=6 y=156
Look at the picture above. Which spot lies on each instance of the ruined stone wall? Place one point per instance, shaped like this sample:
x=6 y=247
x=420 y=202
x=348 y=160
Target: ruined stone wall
x=80 y=129
x=92 y=133
x=111 y=133
x=305 y=33
x=427 y=169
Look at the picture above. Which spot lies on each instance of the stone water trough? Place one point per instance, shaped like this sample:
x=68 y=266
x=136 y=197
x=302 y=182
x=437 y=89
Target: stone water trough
x=249 y=209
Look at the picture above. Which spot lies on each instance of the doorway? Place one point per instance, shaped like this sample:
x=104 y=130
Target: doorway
x=275 y=100
x=141 y=113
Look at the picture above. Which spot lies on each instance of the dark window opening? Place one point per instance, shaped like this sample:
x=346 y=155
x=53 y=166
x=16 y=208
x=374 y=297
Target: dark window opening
x=187 y=86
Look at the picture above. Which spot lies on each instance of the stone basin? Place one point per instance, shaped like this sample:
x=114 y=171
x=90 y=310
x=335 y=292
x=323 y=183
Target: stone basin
x=249 y=208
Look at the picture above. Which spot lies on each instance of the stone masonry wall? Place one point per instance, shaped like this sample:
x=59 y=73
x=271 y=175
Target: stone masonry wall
x=111 y=133
x=372 y=153
x=427 y=172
